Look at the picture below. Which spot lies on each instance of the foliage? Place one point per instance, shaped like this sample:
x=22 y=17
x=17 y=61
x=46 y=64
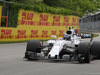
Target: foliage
x=44 y=8
x=15 y=7
x=26 y=1
x=13 y=16
x=3 y=22
x=64 y=7
x=95 y=35
x=76 y=5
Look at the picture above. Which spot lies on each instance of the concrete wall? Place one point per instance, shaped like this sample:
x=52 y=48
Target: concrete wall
x=90 y=23
x=90 y=27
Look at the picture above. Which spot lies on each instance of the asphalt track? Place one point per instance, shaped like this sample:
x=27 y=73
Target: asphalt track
x=12 y=63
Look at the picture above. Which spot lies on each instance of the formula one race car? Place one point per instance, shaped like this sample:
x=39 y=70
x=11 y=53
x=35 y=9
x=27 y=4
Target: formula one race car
x=70 y=45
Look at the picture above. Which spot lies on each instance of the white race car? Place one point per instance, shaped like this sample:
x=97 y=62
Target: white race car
x=70 y=45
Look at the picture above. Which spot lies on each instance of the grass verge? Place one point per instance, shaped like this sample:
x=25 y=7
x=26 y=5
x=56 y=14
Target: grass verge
x=95 y=35
x=24 y=41
x=6 y=42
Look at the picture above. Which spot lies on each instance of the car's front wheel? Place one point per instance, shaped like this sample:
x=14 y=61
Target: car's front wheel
x=33 y=47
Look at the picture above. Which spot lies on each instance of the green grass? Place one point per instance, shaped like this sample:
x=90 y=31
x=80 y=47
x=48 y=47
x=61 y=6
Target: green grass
x=24 y=41
x=95 y=35
x=6 y=42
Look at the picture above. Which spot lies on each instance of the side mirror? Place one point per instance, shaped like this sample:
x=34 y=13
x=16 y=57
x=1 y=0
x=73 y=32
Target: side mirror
x=54 y=36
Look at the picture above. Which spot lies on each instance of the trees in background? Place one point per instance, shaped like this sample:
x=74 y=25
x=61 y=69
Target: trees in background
x=76 y=5
x=26 y=1
x=64 y=7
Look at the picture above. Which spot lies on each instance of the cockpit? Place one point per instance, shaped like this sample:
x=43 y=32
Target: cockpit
x=67 y=35
x=69 y=32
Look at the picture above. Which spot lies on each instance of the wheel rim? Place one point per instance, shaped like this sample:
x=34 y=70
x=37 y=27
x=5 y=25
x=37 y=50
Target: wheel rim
x=81 y=58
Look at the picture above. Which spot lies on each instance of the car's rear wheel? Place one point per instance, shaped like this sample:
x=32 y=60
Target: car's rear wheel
x=84 y=52
x=95 y=48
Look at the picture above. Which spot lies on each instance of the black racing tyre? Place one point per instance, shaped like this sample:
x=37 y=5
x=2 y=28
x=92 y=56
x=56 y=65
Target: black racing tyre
x=95 y=48
x=84 y=52
x=33 y=46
